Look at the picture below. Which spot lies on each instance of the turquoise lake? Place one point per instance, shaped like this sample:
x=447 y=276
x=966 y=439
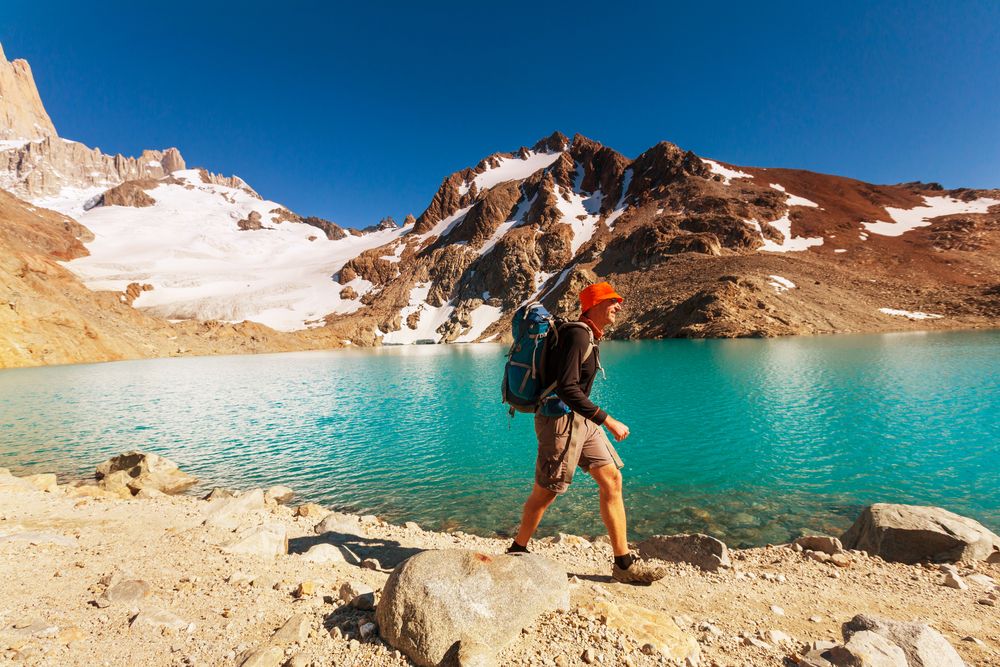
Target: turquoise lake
x=753 y=441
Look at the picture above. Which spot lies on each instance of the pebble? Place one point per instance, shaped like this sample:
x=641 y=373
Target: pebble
x=777 y=610
x=589 y=656
x=952 y=580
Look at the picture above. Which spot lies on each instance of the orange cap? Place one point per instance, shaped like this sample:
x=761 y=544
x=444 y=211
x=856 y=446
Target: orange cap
x=593 y=295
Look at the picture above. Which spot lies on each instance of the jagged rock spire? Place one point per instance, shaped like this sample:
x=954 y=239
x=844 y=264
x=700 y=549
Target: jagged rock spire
x=22 y=115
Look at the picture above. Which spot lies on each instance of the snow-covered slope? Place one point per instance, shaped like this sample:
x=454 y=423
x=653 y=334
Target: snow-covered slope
x=189 y=246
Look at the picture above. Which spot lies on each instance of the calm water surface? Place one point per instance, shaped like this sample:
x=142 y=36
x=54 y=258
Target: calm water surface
x=752 y=441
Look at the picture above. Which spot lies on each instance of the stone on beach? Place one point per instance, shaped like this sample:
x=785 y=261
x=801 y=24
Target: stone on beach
x=294 y=631
x=335 y=522
x=645 y=626
x=357 y=595
x=279 y=494
x=435 y=599
x=828 y=545
x=311 y=511
x=911 y=533
x=148 y=471
x=222 y=509
x=131 y=593
x=45 y=481
x=324 y=553
x=269 y=656
x=704 y=551
x=269 y=540
x=923 y=646
x=10 y=480
x=155 y=617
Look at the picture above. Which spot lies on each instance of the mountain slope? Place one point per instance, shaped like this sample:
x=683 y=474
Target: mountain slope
x=699 y=248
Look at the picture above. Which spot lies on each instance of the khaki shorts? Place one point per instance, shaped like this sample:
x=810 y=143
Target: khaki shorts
x=553 y=467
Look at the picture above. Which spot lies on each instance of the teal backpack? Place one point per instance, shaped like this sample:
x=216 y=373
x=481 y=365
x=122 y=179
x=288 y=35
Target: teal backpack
x=536 y=335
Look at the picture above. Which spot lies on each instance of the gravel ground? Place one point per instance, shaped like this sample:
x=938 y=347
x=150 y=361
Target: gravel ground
x=50 y=616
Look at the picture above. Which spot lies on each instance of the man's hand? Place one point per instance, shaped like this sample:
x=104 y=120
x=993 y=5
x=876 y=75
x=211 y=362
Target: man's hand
x=617 y=429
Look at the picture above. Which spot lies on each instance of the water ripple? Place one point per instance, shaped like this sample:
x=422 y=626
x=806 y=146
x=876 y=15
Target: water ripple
x=753 y=441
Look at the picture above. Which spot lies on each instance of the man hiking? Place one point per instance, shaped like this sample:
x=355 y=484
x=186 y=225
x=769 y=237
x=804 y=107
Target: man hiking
x=576 y=439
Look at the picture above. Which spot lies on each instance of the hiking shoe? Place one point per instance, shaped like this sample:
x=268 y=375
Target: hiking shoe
x=640 y=572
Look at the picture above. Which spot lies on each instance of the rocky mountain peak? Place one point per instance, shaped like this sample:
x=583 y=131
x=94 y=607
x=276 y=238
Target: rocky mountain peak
x=557 y=142
x=22 y=115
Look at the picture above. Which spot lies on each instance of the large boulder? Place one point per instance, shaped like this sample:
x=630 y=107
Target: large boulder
x=704 y=551
x=922 y=645
x=147 y=471
x=436 y=599
x=912 y=533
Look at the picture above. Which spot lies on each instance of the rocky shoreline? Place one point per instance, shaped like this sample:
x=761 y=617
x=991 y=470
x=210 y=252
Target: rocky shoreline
x=133 y=576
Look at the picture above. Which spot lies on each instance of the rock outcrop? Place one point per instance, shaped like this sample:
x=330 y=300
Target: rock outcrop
x=140 y=470
x=438 y=600
x=43 y=168
x=22 y=114
x=911 y=533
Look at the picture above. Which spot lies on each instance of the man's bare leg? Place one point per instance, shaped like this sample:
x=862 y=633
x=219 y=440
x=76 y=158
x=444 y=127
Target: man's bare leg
x=609 y=480
x=534 y=509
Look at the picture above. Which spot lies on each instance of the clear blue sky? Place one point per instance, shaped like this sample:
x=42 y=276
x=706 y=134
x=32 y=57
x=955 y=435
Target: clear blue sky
x=354 y=111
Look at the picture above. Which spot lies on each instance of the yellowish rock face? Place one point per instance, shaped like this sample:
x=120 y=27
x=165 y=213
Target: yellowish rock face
x=645 y=626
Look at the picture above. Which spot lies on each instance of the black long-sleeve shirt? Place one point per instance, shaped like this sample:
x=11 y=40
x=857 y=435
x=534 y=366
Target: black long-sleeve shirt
x=573 y=376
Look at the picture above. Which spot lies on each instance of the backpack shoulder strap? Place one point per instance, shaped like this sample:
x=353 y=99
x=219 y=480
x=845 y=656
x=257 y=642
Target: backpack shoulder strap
x=590 y=332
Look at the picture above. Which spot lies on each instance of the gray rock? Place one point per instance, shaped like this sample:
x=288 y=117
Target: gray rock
x=157 y=618
x=279 y=494
x=412 y=525
x=911 y=533
x=130 y=592
x=32 y=627
x=827 y=545
x=335 y=522
x=952 y=580
x=294 y=631
x=867 y=649
x=706 y=552
x=367 y=631
x=435 y=599
x=923 y=646
x=41 y=538
x=268 y=540
x=225 y=508
x=300 y=659
x=269 y=656
x=324 y=553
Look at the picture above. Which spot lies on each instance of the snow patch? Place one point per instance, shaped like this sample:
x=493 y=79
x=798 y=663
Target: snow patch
x=444 y=227
x=482 y=318
x=430 y=318
x=781 y=284
x=905 y=220
x=726 y=173
x=790 y=244
x=511 y=169
x=913 y=316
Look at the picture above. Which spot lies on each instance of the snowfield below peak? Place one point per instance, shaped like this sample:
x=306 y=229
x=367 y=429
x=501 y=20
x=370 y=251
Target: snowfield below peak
x=201 y=265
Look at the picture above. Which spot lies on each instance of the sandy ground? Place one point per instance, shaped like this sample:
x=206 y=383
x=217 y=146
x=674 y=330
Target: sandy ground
x=163 y=542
